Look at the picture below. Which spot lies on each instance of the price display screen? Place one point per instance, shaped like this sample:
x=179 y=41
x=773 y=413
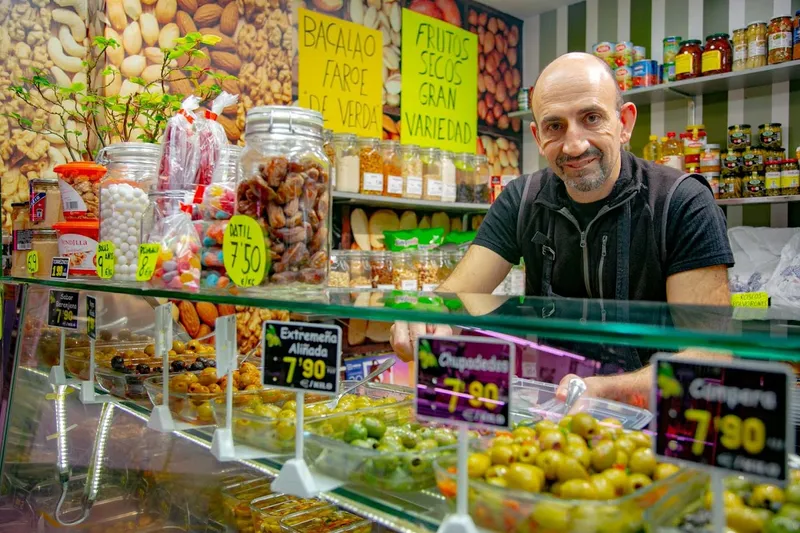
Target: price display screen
x=59 y=268
x=91 y=317
x=62 y=310
x=731 y=415
x=465 y=379
x=301 y=356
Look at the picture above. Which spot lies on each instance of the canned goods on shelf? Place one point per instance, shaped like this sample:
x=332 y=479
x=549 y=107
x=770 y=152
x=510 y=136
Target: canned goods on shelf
x=645 y=73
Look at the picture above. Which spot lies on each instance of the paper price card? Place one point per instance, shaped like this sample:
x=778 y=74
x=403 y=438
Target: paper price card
x=146 y=262
x=105 y=260
x=91 y=317
x=62 y=309
x=59 y=268
x=244 y=251
x=465 y=379
x=341 y=73
x=440 y=81
x=732 y=415
x=756 y=300
x=32 y=262
x=301 y=357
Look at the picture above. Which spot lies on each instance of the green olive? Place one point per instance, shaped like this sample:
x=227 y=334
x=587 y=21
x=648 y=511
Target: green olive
x=501 y=455
x=664 y=470
x=643 y=461
x=444 y=437
x=355 y=432
x=618 y=479
x=642 y=440
x=636 y=482
x=576 y=440
x=409 y=439
x=604 y=489
x=603 y=455
x=790 y=510
x=570 y=468
x=478 y=464
x=179 y=347
x=551 y=516
x=552 y=439
x=565 y=422
x=524 y=435
x=729 y=499
x=375 y=427
x=545 y=425
x=765 y=495
x=417 y=464
x=626 y=445
x=426 y=445
x=524 y=477
x=622 y=459
x=584 y=425
x=793 y=493
x=577 y=489
x=581 y=453
x=528 y=454
x=496 y=471
x=744 y=520
x=548 y=461
x=502 y=440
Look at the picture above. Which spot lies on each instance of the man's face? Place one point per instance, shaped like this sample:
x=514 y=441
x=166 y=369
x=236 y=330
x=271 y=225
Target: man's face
x=578 y=128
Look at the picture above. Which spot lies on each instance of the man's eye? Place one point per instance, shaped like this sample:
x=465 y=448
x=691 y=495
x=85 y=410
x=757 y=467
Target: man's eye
x=553 y=127
x=593 y=118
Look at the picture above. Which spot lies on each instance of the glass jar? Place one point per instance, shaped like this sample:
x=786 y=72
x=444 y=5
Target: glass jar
x=7 y=254
x=339 y=274
x=753 y=181
x=739 y=49
x=483 y=177
x=427 y=264
x=347 y=164
x=380 y=264
x=431 y=174
x=756 y=44
x=465 y=178
x=772 y=178
x=694 y=142
x=447 y=265
x=284 y=149
x=358 y=263
x=769 y=136
x=404 y=276
x=45 y=202
x=718 y=54
x=411 y=167
x=132 y=173
x=790 y=177
x=330 y=151
x=449 y=185
x=45 y=242
x=779 y=40
x=796 y=35
x=729 y=185
x=739 y=136
x=688 y=62
x=371 y=166
x=393 y=183
x=710 y=159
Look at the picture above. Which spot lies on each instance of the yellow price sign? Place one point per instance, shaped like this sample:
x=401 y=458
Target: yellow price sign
x=735 y=433
x=309 y=368
x=146 y=263
x=32 y=261
x=244 y=250
x=480 y=395
x=106 y=260
x=757 y=300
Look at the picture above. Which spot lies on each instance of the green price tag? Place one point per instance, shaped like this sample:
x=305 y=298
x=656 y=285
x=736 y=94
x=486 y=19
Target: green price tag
x=33 y=262
x=146 y=264
x=105 y=260
x=757 y=300
x=245 y=252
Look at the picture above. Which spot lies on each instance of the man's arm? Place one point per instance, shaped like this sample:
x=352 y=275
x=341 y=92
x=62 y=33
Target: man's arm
x=480 y=271
x=704 y=286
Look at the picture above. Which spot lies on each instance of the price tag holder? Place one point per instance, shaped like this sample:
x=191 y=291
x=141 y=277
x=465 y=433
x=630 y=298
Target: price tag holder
x=106 y=261
x=464 y=381
x=62 y=310
x=59 y=268
x=32 y=262
x=91 y=317
x=245 y=252
x=146 y=262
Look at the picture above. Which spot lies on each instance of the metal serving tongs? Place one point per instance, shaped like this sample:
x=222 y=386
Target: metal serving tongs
x=386 y=365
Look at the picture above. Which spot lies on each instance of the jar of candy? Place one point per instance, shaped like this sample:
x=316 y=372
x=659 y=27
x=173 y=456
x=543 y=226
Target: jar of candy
x=371 y=166
x=339 y=275
x=739 y=49
x=483 y=177
x=779 y=40
x=411 y=167
x=285 y=187
x=393 y=183
x=431 y=174
x=359 y=267
x=688 y=62
x=718 y=54
x=218 y=199
x=790 y=177
x=756 y=44
x=213 y=273
x=772 y=181
x=131 y=175
x=465 y=178
x=347 y=163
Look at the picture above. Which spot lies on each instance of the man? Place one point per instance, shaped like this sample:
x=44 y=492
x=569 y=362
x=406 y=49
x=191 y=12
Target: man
x=599 y=222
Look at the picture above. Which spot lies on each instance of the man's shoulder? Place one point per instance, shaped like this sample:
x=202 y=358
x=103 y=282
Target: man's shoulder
x=662 y=181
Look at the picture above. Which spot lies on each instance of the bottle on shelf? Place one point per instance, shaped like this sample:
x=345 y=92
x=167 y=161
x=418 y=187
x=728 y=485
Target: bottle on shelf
x=672 y=152
x=652 y=150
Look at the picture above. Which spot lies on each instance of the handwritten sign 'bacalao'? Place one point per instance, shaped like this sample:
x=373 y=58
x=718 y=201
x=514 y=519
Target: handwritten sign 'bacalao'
x=440 y=81
x=341 y=73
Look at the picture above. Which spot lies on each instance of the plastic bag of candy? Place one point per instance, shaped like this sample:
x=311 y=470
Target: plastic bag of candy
x=178 y=263
x=212 y=261
x=179 y=150
x=211 y=140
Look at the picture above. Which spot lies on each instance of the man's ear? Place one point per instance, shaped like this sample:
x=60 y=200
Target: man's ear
x=535 y=132
x=627 y=117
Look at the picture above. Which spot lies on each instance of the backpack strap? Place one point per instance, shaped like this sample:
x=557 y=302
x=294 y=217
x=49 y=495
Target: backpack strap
x=665 y=209
x=531 y=190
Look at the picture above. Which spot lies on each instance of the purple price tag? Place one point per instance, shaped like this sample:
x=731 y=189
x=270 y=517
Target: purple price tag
x=465 y=379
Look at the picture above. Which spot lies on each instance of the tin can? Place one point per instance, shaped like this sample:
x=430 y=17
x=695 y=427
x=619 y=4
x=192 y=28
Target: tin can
x=672 y=45
x=639 y=53
x=645 y=73
x=605 y=51
x=667 y=72
x=624 y=77
x=623 y=54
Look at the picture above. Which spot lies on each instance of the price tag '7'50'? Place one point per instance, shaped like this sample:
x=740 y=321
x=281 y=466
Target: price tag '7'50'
x=245 y=252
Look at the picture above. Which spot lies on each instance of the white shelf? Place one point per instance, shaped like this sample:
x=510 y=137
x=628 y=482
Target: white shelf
x=403 y=203
x=762 y=200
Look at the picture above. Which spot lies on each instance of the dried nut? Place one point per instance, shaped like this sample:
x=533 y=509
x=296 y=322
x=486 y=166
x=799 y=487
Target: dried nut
x=154 y=55
x=329 y=6
x=481 y=109
x=190 y=6
x=394 y=84
x=165 y=11
x=396 y=17
x=205 y=311
x=185 y=22
x=151 y=73
x=149 y=28
x=396 y=38
x=207 y=15
x=488 y=43
x=189 y=318
x=383 y=20
x=371 y=18
x=169 y=34
x=229 y=19
x=502 y=156
x=357 y=11
x=231 y=86
x=513 y=158
x=231 y=130
x=132 y=39
x=501 y=93
x=492 y=26
x=115 y=55
x=393 y=100
x=116 y=14
x=128 y=88
x=491 y=86
x=133 y=8
x=226 y=61
x=132 y=66
x=391 y=58
x=112 y=81
x=225 y=44
x=502 y=143
x=387 y=34
x=182 y=86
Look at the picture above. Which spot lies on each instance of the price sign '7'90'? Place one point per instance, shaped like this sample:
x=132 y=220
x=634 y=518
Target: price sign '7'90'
x=245 y=252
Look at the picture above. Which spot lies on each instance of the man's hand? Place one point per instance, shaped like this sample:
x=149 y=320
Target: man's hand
x=404 y=336
x=595 y=386
x=632 y=388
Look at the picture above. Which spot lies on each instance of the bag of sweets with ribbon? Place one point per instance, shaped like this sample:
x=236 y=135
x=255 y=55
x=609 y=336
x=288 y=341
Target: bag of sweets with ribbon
x=211 y=139
x=179 y=155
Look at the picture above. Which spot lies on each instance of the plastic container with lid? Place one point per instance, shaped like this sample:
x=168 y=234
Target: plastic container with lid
x=770 y=136
x=718 y=55
x=688 y=62
x=236 y=500
x=380 y=263
x=483 y=178
x=45 y=202
x=77 y=241
x=326 y=519
x=393 y=183
x=411 y=168
x=449 y=186
x=779 y=40
x=80 y=183
x=284 y=150
x=756 y=44
x=339 y=274
x=371 y=166
x=432 y=186
x=404 y=276
x=739 y=136
x=268 y=511
x=347 y=163
x=790 y=177
x=772 y=178
x=739 y=49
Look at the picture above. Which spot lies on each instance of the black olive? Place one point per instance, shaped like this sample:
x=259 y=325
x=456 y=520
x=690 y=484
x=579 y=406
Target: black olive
x=211 y=363
x=117 y=362
x=177 y=366
x=197 y=365
x=127 y=370
x=142 y=368
x=157 y=370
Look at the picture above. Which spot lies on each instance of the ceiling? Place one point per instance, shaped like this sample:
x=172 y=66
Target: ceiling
x=526 y=8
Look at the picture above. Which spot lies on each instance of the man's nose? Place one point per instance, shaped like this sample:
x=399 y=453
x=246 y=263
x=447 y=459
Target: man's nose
x=575 y=143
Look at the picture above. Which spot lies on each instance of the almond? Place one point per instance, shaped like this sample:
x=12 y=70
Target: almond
x=182 y=87
x=207 y=312
x=229 y=19
x=185 y=22
x=231 y=86
x=228 y=62
x=231 y=130
x=226 y=309
x=189 y=318
x=154 y=55
x=205 y=330
x=149 y=28
x=165 y=11
x=226 y=44
x=190 y=6
x=207 y=15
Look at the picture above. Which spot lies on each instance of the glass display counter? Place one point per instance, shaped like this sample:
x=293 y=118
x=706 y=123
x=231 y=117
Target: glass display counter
x=101 y=465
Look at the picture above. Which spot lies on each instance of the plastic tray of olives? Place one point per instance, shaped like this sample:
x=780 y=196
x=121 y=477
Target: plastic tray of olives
x=76 y=360
x=268 y=511
x=267 y=422
x=540 y=398
x=325 y=519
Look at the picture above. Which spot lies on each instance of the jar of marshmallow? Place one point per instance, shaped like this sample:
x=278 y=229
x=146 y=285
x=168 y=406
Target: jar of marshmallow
x=132 y=172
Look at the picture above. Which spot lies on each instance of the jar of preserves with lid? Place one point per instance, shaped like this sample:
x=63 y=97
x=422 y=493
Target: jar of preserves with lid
x=796 y=35
x=739 y=136
x=285 y=187
x=348 y=173
x=710 y=159
x=688 y=62
x=380 y=264
x=729 y=185
x=718 y=54
x=739 y=49
x=731 y=161
x=411 y=167
x=465 y=178
x=790 y=177
x=45 y=202
x=769 y=136
x=393 y=183
x=779 y=40
x=404 y=276
x=431 y=174
x=756 y=44
x=339 y=274
x=483 y=177
x=753 y=181
x=371 y=166
x=772 y=178
x=449 y=185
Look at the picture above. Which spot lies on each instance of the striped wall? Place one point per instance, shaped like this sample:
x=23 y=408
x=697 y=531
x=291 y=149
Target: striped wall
x=646 y=23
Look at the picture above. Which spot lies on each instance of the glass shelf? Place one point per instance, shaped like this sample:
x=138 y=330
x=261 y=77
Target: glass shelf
x=765 y=334
x=405 y=203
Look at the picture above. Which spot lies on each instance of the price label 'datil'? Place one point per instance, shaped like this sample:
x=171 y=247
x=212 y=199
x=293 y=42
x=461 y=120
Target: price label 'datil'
x=59 y=268
x=302 y=357
x=32 y=262
x=465 y=380
x=62 y=309
x=91 y=317
x=146 y=263
x=730 y=415
x=106 y=260
x=245 y=252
